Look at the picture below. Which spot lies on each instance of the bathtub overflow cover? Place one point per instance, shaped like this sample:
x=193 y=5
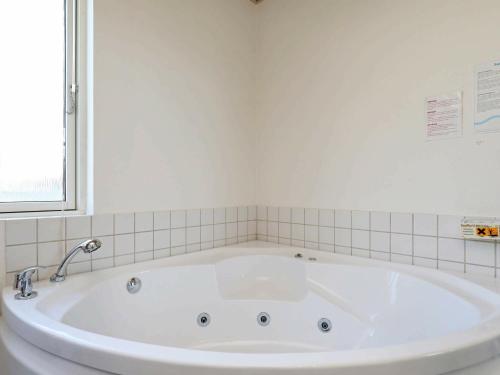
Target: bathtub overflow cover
x=134 y=285
x=203 y=319
x=324 y=325
x=263 y=319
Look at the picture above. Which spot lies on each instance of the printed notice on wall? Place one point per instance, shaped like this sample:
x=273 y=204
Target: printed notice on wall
x=487 y=97
x=443 y=116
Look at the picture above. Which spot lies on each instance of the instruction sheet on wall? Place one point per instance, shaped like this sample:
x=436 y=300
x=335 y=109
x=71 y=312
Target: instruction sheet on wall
x=487 y=97
x=443 y=116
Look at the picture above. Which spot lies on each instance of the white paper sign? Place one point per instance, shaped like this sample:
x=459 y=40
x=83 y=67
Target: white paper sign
x=487 y=97
x=444 y=116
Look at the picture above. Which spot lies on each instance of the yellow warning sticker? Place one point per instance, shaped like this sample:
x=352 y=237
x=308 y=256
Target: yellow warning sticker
x=485 y=231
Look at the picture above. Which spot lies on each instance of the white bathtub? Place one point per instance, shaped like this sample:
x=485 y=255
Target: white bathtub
x=386 y=318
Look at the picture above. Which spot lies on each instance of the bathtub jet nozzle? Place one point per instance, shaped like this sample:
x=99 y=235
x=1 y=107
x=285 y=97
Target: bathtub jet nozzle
x=88 y=246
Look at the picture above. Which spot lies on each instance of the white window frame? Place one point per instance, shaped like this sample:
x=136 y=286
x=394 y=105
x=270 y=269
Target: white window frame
x=73 y=124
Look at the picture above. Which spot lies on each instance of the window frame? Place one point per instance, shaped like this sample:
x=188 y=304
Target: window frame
x=71 y=125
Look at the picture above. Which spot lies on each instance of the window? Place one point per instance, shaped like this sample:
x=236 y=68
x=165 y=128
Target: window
x=38 y=93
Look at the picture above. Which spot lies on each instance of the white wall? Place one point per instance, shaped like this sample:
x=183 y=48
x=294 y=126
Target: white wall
x=341 y=88
x=173 y=104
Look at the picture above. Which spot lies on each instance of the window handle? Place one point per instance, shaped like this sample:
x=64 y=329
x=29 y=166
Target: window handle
x=73 y=89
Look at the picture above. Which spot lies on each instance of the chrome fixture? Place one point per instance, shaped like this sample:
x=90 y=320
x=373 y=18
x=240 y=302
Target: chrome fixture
x=324 y=325
x=134 y=285
x=23 y=283
x=298 y=255
x=88 y=246
x=263 y=319
x=203 y=319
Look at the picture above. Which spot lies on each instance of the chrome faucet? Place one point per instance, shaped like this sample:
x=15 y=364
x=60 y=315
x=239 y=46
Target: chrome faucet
x=23 y=283
x=88 y=246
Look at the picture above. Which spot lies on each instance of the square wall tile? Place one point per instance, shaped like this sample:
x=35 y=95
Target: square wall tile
x=361 y=220
x=252 y=228
x=380 y=221
x=273 y=214
x=161 y=239
x=124 y=223
x=101 y=264
x=311 y=233
x=425 y=224
x=207 y=216
x=401 y=244
x=326 y=218
x=51 y=229
x=161 y=220
x=252 y=213
x=219 y=215
x=262 y=227
x=124 y=244
x=219 y=232
x=160 y=254
x=143 y=241
x=285 y=230
x=402 y=259
x=327 y=247
x=342 y=218
x=451 y=249
x=425 y=262
x=311 y=216
x=285 y=214
x=51 y=253
x=360 y=239
x=178 y=237
x=80 y=267
x=343 y=250
x=242 y=228
x=261 y=213
x=380 y=241
x=343 y=237
x=272 y=229
x=298 y=232
x=178 y=219
x=102 y=225
x=193 y=218
x=401 y=223
x=207 y=233
x=18 y=257
x=450 y=226
x=124 y=260
x=425 y=247
x=193 y=235
x=383 y=256
x=143 y=221
x=480 y=270
x=326 y=235
x=481 y=253
x=298 y=215
x=242 y=213
x=143 y=257
x=231 y=214
x=77 y=227
x=231 y=230
x=20 y=231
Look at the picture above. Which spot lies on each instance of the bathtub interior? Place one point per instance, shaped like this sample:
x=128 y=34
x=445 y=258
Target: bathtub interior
x=368 y=307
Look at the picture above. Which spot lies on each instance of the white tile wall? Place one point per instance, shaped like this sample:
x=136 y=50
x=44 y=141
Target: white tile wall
x=425 y=240
x=126 y=237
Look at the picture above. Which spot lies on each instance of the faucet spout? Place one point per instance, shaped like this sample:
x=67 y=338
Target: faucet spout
x=87 y=246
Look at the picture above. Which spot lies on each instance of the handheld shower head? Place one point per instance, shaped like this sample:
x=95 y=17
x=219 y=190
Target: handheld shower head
x=88 y=246
x=91 y=246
